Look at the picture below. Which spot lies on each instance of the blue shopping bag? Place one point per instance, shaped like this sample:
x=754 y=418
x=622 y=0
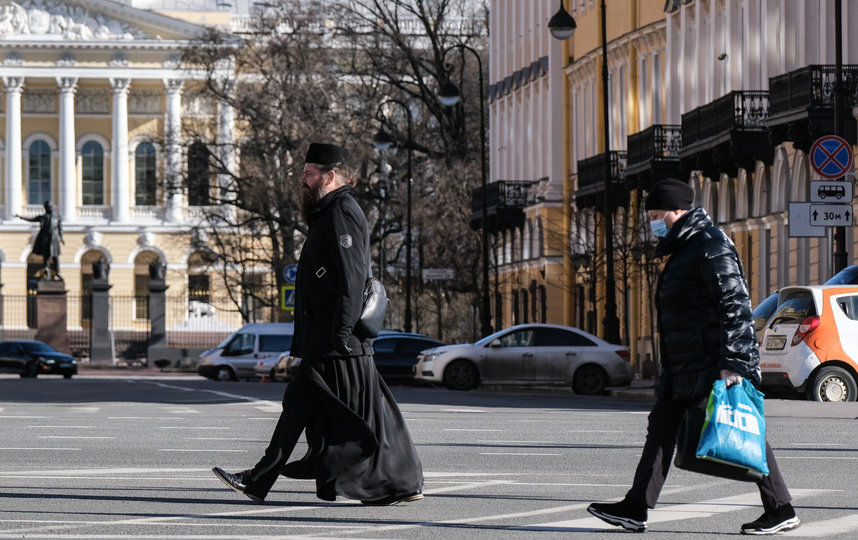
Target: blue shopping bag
x=734 y=431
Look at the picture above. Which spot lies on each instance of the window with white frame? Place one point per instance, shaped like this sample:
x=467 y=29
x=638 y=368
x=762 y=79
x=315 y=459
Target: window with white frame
x=39 y=168
x=92 y=178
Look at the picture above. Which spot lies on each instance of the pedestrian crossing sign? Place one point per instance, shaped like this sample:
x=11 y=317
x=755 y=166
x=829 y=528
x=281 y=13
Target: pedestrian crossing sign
x=287 y=298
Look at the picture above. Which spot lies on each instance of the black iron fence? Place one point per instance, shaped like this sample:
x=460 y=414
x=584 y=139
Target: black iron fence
x=189 y=324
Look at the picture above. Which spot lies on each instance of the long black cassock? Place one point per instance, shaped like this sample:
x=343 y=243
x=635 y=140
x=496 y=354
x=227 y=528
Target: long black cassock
x=359 y=445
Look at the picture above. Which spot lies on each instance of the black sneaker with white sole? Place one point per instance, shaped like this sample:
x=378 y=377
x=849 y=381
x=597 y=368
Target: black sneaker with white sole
x=778 y=520
x=626 y=514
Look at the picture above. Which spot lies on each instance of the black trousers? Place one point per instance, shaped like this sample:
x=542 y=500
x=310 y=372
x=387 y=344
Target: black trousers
x=297 y=410
x=663 y=425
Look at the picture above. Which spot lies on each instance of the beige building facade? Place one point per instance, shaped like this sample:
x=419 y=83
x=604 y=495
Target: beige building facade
x=95 y=121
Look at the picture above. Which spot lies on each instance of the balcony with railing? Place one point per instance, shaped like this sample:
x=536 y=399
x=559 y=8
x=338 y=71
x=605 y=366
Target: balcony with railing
x=591 y=180
x=653 y=154
x=726 y=134
x=505 y=203
x=802 y=104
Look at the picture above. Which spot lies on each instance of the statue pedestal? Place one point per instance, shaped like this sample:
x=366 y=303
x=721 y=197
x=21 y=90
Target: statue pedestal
x=52 y=315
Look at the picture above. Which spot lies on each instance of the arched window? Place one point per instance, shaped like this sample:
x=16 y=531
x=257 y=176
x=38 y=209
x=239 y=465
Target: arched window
x=199 y=175
x=92 y=179
x=145 y=177
x=39 y=187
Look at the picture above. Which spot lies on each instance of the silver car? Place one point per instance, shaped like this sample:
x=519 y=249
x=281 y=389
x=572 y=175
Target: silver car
x=529 y=354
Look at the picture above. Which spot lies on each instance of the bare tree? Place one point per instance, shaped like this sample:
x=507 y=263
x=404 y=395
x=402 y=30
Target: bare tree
x=314 y=70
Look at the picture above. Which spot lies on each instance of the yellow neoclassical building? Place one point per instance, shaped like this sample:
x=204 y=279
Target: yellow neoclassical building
x=95 y=121
x=728 y=95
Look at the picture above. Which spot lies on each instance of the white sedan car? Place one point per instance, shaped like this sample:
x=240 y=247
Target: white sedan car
x=529 y=354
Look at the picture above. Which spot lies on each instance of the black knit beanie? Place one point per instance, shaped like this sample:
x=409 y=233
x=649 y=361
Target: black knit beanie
x=670 y=194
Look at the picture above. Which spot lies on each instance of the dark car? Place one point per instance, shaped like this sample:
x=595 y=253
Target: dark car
x=34 y=358
x=847 y=276
x=763 y=312
x=395 y=357
x=396 y=354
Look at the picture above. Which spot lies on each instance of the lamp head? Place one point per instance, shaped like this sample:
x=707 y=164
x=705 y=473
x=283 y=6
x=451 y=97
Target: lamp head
x=562 y=24
x=382 y=140
x=449 y=94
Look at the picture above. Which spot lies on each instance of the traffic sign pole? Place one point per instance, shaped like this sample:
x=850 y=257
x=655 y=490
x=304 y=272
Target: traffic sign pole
x=831 y=157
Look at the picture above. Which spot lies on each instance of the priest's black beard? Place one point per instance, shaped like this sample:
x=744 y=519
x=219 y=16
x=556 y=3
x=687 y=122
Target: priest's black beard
x=309 y=197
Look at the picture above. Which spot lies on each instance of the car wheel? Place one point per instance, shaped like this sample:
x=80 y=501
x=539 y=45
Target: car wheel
x=833 y=384
x=67 y=376
x=31 y=371
x=224 y=373
x=590 y=380
x=461 y=375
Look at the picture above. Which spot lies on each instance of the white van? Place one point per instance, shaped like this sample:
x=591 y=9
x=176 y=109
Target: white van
x=236 y=357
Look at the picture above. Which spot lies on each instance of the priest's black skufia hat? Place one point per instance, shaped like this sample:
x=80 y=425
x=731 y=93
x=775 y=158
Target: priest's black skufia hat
x=327 y=155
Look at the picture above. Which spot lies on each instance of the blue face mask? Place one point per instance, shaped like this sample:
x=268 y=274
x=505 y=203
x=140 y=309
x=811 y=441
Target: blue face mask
x=658 y=227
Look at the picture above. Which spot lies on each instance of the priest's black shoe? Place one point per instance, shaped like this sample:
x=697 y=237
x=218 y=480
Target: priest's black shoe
x=237 y=482
x=391 y=500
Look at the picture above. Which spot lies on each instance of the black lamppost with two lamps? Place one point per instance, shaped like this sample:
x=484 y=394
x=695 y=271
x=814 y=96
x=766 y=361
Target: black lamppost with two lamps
x=449 y=95
x=562 y=26
x=383 y=141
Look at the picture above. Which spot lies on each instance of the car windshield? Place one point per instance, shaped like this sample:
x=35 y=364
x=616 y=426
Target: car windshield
x=491 y=337
x=847 y=276
x=37 y=347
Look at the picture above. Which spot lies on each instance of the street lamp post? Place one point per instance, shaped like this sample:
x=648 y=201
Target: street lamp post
x=383 y=141
x=560 y=25
x=449 y=95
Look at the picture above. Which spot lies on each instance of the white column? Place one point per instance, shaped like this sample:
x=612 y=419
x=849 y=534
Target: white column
x=68 y=177
x=226 y=148
x=173 y=162
x=119 y=149
x=14 y=87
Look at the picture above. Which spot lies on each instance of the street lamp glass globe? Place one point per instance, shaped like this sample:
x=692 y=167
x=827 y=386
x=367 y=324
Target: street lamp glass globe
x=382 y=140
x=449 y=94
x=562 y=24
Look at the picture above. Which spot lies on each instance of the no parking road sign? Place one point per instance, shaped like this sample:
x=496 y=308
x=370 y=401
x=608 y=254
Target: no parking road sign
x=831 y=156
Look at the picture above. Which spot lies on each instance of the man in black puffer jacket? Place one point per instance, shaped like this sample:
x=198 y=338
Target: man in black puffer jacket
x=707 y=333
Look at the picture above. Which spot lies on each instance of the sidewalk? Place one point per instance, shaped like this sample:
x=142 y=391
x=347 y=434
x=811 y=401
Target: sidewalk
x=121 y=370
x=638 y=389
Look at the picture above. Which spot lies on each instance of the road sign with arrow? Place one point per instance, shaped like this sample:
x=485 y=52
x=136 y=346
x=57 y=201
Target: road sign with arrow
x=831 y=215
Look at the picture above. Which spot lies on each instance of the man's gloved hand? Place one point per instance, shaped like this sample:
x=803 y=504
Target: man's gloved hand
x=730 y=377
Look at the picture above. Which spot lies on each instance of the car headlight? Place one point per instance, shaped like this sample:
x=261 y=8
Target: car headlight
x=47 y=360
x=430 y=357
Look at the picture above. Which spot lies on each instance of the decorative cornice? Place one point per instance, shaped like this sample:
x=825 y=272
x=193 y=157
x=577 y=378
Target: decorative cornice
x=118 y=60
x=61 y=21
x=14 y=58
x=66 y=60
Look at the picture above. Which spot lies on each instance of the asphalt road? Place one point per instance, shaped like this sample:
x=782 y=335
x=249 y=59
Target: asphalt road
x=130 y=458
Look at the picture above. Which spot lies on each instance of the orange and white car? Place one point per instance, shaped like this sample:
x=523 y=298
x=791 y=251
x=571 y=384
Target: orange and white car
x=811 y=342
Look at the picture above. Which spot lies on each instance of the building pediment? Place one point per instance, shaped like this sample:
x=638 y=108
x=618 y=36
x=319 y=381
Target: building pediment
x=87 y=20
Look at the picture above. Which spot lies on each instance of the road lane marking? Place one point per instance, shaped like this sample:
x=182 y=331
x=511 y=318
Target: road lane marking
x=828 y=527
x=71 y=437
x=193 y=427
x=515 y=454
x=464 y=410
x=469 y=429
x=62 y=427
x=675 y=512
x=42 y=448
x=200 y=450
